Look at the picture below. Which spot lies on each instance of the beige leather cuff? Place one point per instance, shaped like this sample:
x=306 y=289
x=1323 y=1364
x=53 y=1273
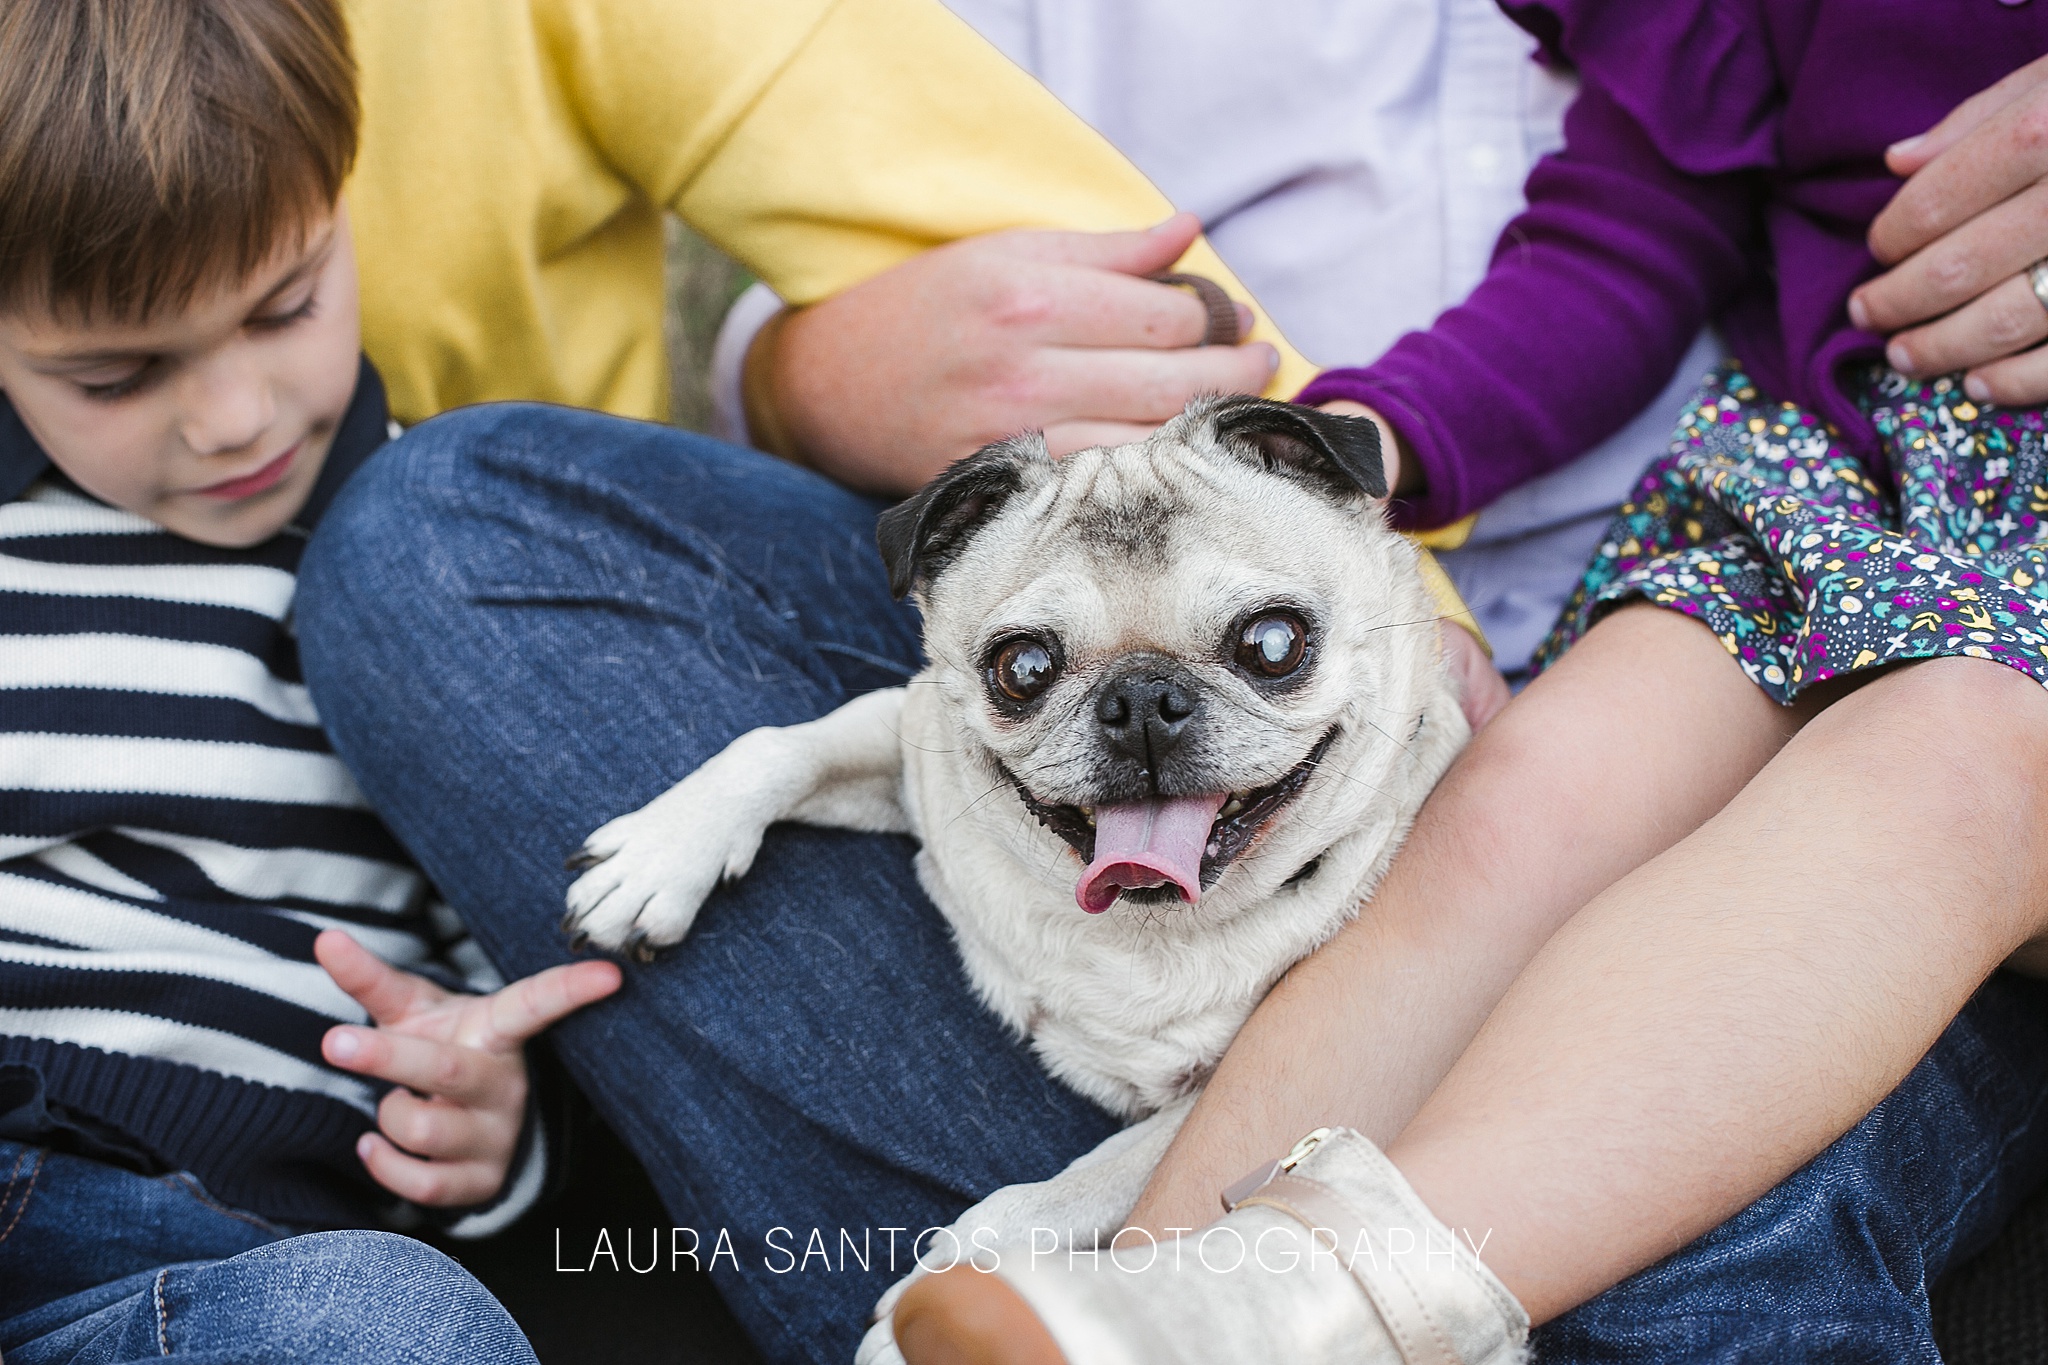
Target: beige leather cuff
x=1455 y=1313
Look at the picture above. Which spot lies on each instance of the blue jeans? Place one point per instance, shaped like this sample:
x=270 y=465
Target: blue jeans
x=99 y=1265
x=519 y=622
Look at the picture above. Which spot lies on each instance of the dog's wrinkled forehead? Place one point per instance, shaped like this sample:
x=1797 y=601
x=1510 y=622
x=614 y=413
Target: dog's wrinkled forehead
x=1127 y=500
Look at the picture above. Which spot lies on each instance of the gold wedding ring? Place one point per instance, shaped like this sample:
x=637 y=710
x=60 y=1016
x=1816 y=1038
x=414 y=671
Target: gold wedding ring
x=2037 y=279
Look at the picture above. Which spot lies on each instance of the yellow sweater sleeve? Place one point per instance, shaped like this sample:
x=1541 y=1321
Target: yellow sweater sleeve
x=842 y=138
x=517 y=156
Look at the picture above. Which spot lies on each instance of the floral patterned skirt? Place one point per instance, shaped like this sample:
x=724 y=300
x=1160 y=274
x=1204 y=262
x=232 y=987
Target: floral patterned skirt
x=1808 y=569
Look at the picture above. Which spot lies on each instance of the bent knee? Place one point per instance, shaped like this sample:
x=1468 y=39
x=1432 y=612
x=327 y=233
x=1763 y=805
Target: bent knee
x=363 y=1267
x=448 y=460
x=1975 y=719
x=1965 y=742
x=354 y=1295
x=456 y=497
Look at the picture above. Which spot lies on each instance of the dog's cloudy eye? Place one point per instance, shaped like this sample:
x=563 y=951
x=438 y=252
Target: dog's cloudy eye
x=1272 y=645
x=1022 y=669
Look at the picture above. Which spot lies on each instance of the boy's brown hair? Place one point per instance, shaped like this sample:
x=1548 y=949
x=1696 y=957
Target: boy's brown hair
x=150 y=149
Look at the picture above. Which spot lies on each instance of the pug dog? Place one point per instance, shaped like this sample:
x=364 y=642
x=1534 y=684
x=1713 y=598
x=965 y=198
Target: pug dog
x=1183 y=701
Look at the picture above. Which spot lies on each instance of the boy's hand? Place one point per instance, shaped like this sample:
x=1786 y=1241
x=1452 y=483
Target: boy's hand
x=447 y=1135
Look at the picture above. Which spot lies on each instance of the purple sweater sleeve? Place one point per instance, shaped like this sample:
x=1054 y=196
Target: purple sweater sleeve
x=1593 y=295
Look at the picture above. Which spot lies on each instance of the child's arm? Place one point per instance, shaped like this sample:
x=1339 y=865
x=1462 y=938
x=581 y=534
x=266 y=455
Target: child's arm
x=1593 y=295
x=446 y=1135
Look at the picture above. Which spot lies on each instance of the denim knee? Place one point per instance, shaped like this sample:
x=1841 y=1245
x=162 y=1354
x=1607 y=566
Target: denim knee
x=442 y=513
x=336 y=1296
x=515 y=528
x=455 y=460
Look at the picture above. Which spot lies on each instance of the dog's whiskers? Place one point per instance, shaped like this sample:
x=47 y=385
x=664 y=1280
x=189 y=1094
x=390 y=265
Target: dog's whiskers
x=963 y=812
x=1348 y=776
x=1403 y=625
x=927 y=749
x=1404 y=745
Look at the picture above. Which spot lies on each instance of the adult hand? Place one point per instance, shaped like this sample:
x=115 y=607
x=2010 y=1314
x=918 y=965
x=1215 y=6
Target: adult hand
x=882 y=386
x=1960 y=236
x=446 y=1135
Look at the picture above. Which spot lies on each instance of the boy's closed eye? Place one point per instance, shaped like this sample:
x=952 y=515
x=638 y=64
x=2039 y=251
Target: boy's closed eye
x=275 y=321
x=138 y=374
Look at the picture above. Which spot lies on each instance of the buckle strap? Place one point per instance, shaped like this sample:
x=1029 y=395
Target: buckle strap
x=1394 y=1296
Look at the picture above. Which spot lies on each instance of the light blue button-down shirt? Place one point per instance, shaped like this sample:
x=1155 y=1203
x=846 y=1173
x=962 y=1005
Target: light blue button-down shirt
x=1355 y=162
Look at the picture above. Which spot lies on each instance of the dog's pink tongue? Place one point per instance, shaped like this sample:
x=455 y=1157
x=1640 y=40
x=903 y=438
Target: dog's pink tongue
x=1148 y=843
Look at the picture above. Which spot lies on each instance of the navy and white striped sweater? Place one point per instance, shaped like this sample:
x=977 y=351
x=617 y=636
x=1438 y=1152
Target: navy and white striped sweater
x=174 y=831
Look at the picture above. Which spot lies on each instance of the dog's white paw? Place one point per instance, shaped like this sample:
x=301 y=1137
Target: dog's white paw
x=650 y=871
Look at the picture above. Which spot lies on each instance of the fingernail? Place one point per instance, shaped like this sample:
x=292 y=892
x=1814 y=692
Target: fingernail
x=1906 y=146
x=1976 y=388
x=1272 y=357
x=1899 y=358
x=343 y=1045
x=363 y=1147
x=1246 y=320
x=1858 y=314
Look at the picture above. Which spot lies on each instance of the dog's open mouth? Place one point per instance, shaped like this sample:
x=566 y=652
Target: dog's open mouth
x=1167 y=848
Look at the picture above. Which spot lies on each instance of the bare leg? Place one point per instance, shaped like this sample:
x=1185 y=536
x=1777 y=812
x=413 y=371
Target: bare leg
x=1636 y=738
x=1710 y=1020
x=1709 y=1023
x=1713 y=1019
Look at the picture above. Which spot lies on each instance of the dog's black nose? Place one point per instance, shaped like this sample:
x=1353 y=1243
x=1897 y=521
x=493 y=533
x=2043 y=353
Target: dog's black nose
x=1144 y=711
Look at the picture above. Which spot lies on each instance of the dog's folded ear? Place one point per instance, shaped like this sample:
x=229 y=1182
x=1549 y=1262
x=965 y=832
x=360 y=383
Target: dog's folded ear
x=922 y=534
x=1340 y=453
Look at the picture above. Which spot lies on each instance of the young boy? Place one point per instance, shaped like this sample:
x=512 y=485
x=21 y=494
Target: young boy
x=196 y=905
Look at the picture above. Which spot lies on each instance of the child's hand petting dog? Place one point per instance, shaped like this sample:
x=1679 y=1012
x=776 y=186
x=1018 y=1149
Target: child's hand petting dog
x=446 y=1135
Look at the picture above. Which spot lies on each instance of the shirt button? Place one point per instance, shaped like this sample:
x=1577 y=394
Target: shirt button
x=1483 y=161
